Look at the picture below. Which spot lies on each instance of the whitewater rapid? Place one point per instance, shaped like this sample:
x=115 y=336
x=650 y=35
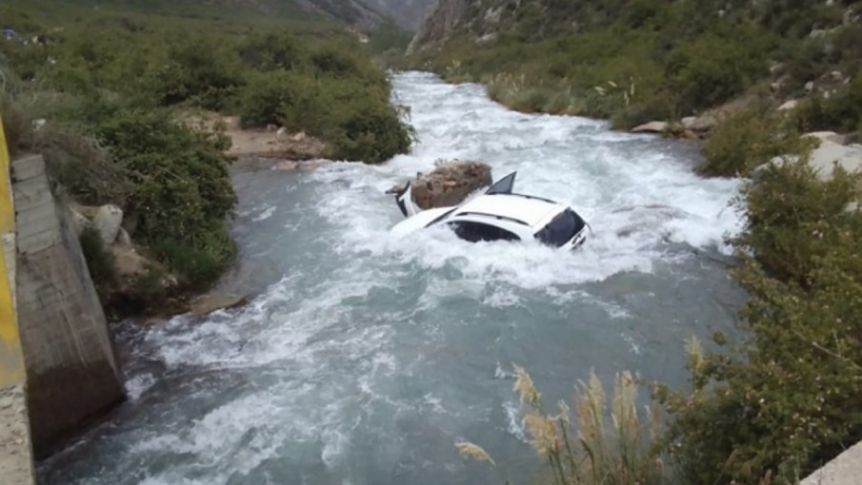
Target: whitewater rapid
x=362 y=358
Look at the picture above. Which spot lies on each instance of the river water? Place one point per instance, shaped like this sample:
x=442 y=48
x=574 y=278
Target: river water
x=362 y=358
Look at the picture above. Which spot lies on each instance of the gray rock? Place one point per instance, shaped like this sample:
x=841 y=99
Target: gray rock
x=845 y=469
x=210 y=303
x=829 y=154
x=79 y=221
x=123 y=238
x=789 y=105
x=829 y=136
x=651 y=127
x=107 y=221
x=704 y=123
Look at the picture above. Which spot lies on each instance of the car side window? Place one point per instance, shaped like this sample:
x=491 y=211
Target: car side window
x=477 y=231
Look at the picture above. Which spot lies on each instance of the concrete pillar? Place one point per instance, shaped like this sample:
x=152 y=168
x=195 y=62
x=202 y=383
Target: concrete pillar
x=72 y=372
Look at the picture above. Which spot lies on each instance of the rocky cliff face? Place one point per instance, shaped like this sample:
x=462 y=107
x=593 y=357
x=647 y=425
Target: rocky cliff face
x=406 y=13
x=483 y=20
x=453 y=16
x=351 y=12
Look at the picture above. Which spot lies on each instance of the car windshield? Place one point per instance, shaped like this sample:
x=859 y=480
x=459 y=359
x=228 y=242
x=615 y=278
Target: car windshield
x=562 y=229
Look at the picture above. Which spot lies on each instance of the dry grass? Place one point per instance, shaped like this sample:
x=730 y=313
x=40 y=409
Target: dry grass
x=589 y=451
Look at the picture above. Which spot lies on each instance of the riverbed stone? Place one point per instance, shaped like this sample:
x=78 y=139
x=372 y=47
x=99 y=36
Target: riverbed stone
x=207 y=304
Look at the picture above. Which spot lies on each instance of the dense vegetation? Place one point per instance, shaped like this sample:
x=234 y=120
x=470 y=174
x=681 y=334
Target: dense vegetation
x=111 y=90
x=641 y=60
x=787 y=399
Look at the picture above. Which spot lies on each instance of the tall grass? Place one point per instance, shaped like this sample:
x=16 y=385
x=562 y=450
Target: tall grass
x=604 y=442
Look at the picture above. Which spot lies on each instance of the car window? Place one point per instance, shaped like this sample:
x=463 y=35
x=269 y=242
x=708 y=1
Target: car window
x=561 y=229
x=477 y=231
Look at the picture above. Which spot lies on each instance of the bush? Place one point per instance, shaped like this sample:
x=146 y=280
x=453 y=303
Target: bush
x=795 y=220
x=749 y=139
x=789 y=401
x=182 y=189
x=354 y=125
x=840 y=112
x=713 y=69
x=263 y=99
x=201 y=70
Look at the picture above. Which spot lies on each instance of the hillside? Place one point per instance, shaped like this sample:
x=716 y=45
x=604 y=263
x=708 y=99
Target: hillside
x=675 y=58
x=350 y=12
x=130 y=126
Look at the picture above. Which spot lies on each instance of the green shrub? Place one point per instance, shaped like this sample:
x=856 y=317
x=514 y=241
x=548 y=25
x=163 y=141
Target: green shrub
x=794 y=219
x=747 y=140
x=354 y=124
x=841 y=112
x=199 y=262
x=269 y=52
x=182 y=189
x=787 y=400
x=265 y=96
x=713 y=69
x=201 y=70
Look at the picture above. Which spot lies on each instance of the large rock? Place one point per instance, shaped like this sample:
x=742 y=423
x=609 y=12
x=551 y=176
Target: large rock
x=789 y=105
x=829 y=154
x=107 y=222
x=699 y=124
x=651 y=127
x=450 y=183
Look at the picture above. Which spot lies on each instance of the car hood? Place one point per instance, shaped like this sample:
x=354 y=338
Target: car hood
x=418 y=221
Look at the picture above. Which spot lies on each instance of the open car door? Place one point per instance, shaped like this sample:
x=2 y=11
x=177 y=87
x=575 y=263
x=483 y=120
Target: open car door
x=503 y=186
x=405 y=201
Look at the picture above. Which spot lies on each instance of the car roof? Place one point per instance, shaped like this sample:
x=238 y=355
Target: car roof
x=527 y=209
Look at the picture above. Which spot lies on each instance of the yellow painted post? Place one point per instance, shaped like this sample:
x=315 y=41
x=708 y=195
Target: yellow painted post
x=11 y=361
x=16 y=456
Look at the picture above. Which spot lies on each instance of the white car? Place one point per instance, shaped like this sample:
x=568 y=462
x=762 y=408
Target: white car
x=498 y=214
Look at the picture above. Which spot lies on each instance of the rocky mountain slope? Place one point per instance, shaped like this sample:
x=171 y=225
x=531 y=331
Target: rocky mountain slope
x=407 y=13
x=351 y=12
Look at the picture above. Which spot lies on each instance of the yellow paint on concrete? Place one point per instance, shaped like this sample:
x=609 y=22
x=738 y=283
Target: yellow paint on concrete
x=11 y=361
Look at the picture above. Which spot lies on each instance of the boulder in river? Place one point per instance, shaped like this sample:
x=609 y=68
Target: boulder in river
x=207 y=304
x=450 y=183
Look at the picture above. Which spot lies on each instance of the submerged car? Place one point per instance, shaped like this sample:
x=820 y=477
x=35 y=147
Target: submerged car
x=498 y=215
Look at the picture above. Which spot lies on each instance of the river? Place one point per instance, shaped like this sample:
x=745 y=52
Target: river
x=361 y=358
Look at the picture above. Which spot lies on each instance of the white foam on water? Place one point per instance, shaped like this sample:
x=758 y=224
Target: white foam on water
x=636 y=196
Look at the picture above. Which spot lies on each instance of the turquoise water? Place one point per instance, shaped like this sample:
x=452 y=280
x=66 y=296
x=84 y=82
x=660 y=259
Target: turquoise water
x=362 y=358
